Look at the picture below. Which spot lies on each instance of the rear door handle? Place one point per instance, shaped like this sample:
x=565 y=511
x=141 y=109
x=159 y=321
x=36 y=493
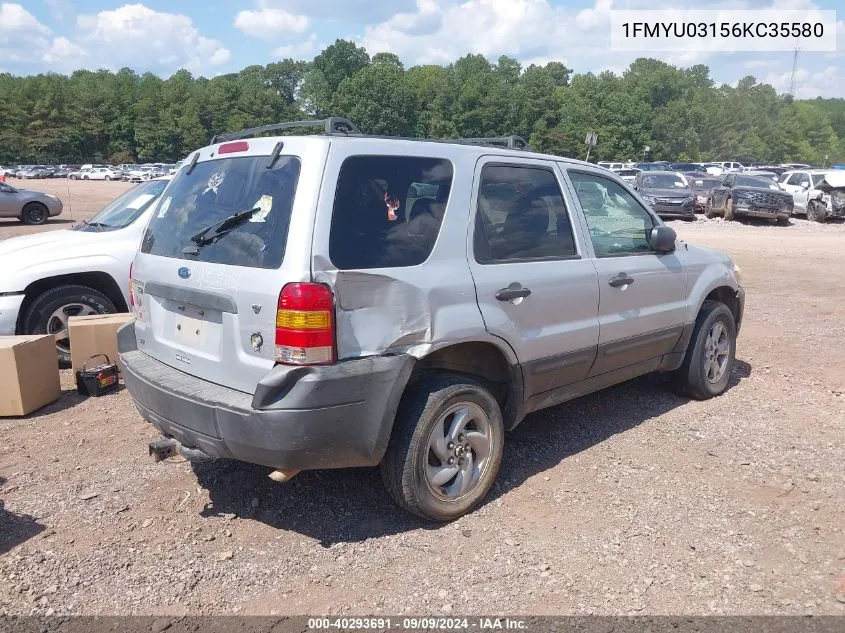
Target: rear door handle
x=622 y=279
x=514 y=291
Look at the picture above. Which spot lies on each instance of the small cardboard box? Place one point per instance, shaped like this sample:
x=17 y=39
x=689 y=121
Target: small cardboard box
x=95 y=334
x=30 y=371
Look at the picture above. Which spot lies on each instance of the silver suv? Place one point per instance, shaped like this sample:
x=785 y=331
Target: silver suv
x=342 y=300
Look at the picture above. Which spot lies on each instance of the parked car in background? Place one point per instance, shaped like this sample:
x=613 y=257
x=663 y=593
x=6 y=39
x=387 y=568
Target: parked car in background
x=833 y=186
x=7 y=171
x=714 y=169
x=667 y=192
x=610 y=166
x=657 y=166
x=76 y=174
x=629 y=175
x=740 y=195
x=101 y=173
x=30 y=207
x=809 y=198
x=701 y=187
x=762 y=173
x=51 y=276
x=140 y=174
x=793 y=166
x=61 y=172
x=731 y=166
x=32 y=173
x=684 y=167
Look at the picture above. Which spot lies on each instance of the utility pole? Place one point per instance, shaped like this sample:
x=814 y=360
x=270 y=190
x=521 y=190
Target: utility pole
x=794 y=68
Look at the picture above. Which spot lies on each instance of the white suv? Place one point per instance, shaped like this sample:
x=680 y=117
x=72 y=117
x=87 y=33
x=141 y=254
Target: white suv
x=51 y=276
x=809 y=200
x=343 y=300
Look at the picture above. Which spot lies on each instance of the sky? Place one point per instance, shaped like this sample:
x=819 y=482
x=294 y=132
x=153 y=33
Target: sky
x=212 y=37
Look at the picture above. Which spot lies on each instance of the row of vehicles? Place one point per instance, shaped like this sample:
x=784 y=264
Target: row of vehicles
x=342 y=300
x=127 y=172
x=681 y=190
x=631 y=169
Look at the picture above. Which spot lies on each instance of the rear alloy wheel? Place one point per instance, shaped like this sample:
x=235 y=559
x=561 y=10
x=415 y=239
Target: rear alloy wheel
x=729 y=210
x=34 y=213
x=816 y=211
x=446 y=447
x=50 y=311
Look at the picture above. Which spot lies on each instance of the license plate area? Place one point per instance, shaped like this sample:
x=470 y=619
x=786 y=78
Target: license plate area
x=191 y=327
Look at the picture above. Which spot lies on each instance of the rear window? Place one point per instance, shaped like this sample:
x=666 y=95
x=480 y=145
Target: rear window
x=216 y=190
x=388 y=211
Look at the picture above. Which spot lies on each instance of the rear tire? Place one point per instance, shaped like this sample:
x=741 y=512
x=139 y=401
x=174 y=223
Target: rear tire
x=34 y=213
x=702 y=374
x=108 y=177
x=49 y=312
x=416 y=468
x=816 y=211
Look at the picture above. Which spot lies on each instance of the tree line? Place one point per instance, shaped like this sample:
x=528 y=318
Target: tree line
x=679 y=113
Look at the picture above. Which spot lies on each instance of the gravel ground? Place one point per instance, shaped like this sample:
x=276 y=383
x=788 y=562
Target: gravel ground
x=629 y=501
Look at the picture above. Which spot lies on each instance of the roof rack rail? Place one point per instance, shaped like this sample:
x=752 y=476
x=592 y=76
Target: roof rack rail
x=511 y=142
x=331 y=126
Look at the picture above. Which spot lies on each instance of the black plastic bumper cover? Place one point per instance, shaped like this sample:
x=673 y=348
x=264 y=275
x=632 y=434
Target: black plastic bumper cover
x=332 y=416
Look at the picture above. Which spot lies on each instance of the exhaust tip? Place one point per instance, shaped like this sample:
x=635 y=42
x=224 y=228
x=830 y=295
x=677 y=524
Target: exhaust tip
x=282 y=475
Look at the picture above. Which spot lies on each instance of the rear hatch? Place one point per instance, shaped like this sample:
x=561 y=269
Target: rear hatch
x=206 y=293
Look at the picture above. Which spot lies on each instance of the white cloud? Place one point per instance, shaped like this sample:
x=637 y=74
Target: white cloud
x=29 y=44
x=15 y=19
x=344 y=12
x=61 y=9
x=63 y=51
x=162 y=41
x=829 y=82
x=269 y=23
x=301 y=50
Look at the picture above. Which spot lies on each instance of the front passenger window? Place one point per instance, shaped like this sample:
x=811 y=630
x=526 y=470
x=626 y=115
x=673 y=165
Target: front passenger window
x=618 y=224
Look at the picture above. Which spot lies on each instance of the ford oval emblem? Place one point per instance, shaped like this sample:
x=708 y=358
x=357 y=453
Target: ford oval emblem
x=184 y=272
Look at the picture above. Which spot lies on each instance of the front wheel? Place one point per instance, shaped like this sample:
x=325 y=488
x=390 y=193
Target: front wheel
x=709 y=213
x=709 y=360
x=729 y=210
x=108 y=177
x=34 y=213
x=446 y=447
x=816 y=211
x=50 y=311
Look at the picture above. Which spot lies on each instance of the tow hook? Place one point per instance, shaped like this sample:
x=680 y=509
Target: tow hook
x=163 y=448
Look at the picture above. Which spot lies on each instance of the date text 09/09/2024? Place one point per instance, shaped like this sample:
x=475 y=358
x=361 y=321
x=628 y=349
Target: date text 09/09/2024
x=723 y=29
x=417 y=624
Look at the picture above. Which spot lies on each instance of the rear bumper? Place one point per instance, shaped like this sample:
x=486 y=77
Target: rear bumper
x=333 y=416
x=10 y=306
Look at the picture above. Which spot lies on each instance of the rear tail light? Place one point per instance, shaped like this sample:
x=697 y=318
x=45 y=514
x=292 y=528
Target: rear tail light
x=233 y=148
x=305 y=328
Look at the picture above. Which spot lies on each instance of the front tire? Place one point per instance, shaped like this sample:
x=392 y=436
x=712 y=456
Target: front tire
x=108 y=177
x=710 y=356
x=446 y=447
x=708 y=210
x=729 y=210
x=50 y=311
x=816 y=211
x=34 y=213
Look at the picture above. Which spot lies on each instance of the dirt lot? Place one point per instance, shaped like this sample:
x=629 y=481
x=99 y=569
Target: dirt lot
x=81 y=198
x=630 y=501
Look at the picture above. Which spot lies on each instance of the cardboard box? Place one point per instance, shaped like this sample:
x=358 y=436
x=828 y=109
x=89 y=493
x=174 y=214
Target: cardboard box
x=92 y=335
x=30 y=373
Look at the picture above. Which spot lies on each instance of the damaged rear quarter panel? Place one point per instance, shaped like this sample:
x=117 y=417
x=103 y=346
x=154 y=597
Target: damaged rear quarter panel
x=416 y=309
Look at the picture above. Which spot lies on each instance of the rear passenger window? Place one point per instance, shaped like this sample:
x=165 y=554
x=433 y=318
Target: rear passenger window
x=521 y=216
x=388 y=211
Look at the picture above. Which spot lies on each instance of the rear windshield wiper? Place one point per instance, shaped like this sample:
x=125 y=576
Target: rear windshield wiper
x=221 y=228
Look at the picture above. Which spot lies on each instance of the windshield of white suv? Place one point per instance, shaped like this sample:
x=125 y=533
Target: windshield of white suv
x=215 y=190
x=126 y=208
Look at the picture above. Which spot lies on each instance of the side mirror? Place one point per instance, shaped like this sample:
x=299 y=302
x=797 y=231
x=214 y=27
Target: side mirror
x=662 y=239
